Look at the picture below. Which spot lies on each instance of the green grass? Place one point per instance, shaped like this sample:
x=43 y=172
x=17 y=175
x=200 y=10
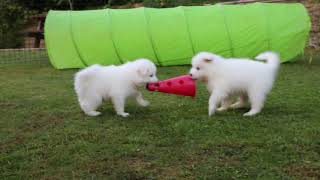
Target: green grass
x=45 y=135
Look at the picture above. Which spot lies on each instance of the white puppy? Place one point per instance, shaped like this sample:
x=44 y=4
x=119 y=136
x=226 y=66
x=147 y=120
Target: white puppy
x=97 y=83
x=242 y=78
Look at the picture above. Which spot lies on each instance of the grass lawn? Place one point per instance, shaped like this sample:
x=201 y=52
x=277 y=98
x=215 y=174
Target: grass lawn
x=43 y=133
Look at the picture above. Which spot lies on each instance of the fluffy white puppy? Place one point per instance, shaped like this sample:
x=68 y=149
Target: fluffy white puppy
x=97 y=83
x=245 y=79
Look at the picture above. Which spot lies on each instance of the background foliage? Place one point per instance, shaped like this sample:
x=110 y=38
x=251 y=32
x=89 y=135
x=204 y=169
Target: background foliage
x=12 y=19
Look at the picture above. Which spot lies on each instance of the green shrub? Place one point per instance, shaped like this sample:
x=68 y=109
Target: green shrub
x=12 y=17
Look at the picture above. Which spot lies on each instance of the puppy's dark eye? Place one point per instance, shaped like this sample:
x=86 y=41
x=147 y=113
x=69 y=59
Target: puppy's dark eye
x=198 y=68
x=151 y=75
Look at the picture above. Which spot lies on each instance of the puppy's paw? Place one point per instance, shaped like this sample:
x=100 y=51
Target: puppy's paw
x=144 y=103
x=222 y=109
x=250 y=113
x=124 y=114
x=238 y=105
x=93 y=113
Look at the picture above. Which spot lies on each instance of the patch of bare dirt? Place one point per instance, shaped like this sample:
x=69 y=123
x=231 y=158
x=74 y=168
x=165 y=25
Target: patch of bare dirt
x=303 y=171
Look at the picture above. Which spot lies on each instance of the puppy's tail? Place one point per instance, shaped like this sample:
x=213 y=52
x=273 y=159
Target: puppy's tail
x=82 y=79
x=272 y=58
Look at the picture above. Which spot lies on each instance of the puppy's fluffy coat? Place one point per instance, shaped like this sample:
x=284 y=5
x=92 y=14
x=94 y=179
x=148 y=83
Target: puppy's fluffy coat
x=97 y=83
x=243 y=78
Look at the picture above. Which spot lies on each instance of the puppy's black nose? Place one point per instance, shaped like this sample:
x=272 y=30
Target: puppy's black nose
x=190 y=74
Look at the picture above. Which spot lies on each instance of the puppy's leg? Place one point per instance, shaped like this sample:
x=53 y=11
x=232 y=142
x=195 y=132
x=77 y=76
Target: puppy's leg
x=89 y=105
x=225 y=104
x=241 y=103
x=257 y=100
x=142 y=102
x=216 y=96
x=119 y=103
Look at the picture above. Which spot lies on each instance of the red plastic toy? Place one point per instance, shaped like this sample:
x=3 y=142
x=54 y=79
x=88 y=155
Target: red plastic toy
x=181 y=85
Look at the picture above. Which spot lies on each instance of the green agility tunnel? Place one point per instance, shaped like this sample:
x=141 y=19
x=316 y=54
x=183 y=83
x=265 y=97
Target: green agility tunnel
x=171 y=36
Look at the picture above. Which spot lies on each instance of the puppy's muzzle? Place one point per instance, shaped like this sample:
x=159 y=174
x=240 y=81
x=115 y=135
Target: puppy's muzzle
x=192 y=77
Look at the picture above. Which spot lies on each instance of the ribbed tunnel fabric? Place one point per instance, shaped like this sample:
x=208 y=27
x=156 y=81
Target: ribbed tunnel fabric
x=171 y=36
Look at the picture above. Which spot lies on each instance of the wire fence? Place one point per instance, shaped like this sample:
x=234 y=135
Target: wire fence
x=28 y=43
x=22 y=27
x=22 y=55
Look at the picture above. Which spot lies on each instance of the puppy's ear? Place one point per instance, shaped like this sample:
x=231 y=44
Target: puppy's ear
x=208 y=60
